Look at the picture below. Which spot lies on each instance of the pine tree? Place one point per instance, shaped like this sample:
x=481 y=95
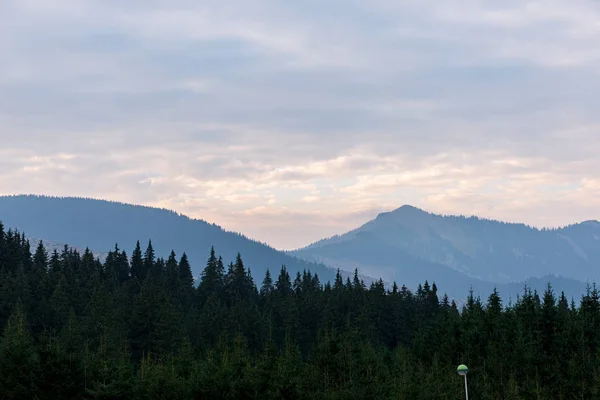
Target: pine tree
x=19 y=362
x=149 y=261
x=137 y=269
x=172 y=277
x=212 y=280
x=186 y=283
x=186 y=278
x=40 y=289
x=267 y=286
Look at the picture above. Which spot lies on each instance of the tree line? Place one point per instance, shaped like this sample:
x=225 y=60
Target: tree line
x=139 y=327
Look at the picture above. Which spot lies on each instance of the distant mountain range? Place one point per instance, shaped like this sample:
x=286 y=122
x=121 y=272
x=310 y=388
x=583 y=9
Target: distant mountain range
x=407 y=245
x=99 y=224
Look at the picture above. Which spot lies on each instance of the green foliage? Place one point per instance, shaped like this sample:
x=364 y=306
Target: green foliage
x=20 y=370
x=141 y=328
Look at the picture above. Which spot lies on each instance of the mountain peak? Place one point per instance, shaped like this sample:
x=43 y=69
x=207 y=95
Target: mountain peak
x=403 y=212
x=408 y=208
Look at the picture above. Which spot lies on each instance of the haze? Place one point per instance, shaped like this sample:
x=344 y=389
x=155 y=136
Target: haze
x=292 y=121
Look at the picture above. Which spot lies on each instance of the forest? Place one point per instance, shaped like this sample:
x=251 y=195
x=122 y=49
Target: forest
x=138 y=326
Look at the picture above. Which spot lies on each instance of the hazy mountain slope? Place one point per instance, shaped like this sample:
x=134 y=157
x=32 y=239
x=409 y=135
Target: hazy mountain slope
x=488 y=250
x=51 y=246
x=410 y=271
x=98 y=224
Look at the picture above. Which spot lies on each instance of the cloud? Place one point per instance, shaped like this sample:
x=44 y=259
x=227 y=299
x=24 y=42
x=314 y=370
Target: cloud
x=291 y=121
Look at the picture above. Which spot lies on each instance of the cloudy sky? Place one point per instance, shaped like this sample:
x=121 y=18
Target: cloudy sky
x=295 y=120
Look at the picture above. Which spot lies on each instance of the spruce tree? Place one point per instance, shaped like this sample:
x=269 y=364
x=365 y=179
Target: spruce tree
x=19 y=362
x=212 y=279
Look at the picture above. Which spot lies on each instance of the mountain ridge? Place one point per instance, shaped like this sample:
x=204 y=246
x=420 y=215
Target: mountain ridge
x=402 y=210
x=68 y=220
x=94 y=223
x=478 y=250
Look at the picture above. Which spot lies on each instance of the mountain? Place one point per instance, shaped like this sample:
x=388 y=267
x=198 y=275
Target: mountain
x=410 y=245
x=97 y=224
x=407 y=245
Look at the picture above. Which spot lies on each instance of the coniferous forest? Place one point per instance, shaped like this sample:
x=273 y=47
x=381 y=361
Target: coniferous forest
x=137 y=326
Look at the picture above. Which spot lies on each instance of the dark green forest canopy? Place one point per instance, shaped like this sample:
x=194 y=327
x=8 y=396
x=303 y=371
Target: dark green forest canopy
x=138 y=327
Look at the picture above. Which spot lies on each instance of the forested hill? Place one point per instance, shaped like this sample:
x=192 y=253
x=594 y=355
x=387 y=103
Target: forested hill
x=135 y=327
x=99 y=224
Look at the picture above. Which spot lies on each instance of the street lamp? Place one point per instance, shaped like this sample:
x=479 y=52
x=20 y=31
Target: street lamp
x=462 y=370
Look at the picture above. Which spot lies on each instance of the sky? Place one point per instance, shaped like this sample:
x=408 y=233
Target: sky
x=294 y=121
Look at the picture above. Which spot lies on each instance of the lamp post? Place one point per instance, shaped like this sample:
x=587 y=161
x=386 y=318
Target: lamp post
x=462 y=370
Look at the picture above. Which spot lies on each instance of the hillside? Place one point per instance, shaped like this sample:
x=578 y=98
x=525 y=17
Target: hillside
x=73 y=328
x=409 y=245
x=97 y=224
